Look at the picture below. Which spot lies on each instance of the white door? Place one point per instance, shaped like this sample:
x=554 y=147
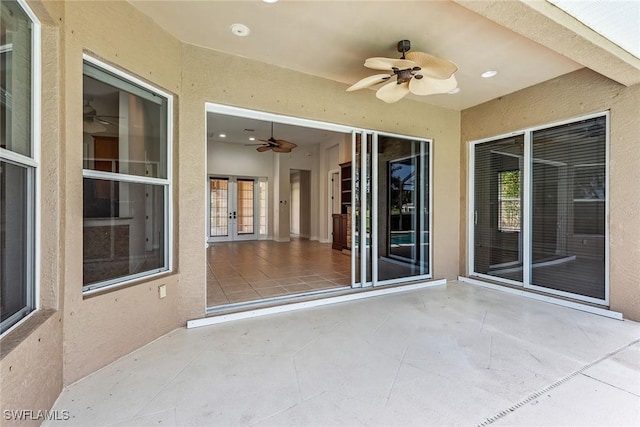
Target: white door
x=233 y=204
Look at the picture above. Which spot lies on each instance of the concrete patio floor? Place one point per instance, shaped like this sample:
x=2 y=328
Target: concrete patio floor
x=446 y=355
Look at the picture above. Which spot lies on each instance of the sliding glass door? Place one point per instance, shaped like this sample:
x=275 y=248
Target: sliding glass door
x=391 y=209
x=497 y=214
x=538 y=209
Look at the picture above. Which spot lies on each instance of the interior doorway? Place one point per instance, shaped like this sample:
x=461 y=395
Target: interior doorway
x=300 y=203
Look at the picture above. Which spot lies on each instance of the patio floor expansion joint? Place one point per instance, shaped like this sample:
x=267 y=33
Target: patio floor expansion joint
x=561 y=381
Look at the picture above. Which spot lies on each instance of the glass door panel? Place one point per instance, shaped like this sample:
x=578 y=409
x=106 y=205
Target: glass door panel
x=245 y=206
x=403 y=208
x=568 y=217
x=219 y=207
x=498 y=204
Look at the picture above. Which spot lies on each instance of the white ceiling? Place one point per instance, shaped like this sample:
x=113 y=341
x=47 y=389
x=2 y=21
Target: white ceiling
x=238 y=130
x=331 y=39
x=619 y=21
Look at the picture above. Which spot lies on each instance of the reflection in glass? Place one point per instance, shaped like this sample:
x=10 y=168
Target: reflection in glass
x=498 y=208
x=15 y=250
x=15 y=79
x=125 y=128
x=568 y=217
x=403 y=208
x=127 y=237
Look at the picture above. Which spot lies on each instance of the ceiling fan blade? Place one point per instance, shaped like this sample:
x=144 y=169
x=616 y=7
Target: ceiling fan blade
x=392 y=92
x=432 y=66
x=388 y=63
x=281 y=150
x=264 y=148
x=428 y=86
x=369 y=81
x=285 y=144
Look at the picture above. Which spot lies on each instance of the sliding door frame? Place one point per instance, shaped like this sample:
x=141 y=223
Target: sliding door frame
x=374 y=175
x=527 y=209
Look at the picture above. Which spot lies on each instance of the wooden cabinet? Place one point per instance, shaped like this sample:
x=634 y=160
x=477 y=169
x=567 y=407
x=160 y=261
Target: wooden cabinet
x=345 y=186
x=339 y=231
x=342 y=221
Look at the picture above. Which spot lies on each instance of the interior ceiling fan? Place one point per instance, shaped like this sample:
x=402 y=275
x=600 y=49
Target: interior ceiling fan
x=416 y=72
x=93 y=122
x=277 y=145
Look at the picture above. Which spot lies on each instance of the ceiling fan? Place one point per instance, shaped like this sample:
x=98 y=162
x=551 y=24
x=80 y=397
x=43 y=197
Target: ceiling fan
x=93 y=122
x=416 y=72
x=277 y=145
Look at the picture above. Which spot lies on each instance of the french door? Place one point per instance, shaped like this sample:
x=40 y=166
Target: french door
x=233 y=209
x=538 y=209
x=391 y=209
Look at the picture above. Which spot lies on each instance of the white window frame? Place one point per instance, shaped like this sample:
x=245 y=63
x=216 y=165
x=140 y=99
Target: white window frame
x=525 y=221
x=32 y=164
x=167 y=183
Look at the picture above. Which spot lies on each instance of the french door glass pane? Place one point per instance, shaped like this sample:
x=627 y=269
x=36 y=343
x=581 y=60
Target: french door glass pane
x=14 y=242
x=498 y=178
x=403 y=215
x=568 y=216
x=357 y=208
x=245 y=206
x=219 y=193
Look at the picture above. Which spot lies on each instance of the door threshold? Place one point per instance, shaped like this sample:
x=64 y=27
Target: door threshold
x=231 y=312
x=553 y=299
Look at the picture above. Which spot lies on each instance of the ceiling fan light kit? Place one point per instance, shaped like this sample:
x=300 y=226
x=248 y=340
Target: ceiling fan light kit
x=416 y=72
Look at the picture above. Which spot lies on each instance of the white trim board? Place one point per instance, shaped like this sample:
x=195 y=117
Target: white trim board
x=545 y=298
x=214 y=320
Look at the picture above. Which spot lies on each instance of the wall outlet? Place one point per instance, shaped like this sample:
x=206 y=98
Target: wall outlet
x=162 y=291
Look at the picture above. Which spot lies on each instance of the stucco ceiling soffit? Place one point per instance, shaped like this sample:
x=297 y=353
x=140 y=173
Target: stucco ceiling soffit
x=553 y=28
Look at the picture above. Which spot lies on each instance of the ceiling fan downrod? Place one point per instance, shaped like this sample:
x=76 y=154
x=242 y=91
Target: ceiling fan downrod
x=406 y=74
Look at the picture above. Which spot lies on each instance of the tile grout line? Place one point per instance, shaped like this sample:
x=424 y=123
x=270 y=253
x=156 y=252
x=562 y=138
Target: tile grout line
x=513 y=408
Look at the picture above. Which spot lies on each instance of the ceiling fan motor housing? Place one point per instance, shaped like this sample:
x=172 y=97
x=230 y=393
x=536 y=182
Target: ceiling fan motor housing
x=404 y=46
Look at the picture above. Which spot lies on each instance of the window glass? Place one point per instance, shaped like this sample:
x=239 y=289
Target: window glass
x=125 y=192
x=14 y=240
x=15 y=79
x=17 y=167
x=124 y=127
x=569 y=198
x=127 y=237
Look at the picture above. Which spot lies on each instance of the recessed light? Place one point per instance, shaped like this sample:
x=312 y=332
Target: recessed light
x=488 y=74
x=222 y=135
x=454 y=91
x=252 y=139
x=270 y=1
x=240 y=30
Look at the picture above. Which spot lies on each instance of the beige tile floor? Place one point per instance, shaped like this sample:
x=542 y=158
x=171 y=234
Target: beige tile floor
x=254 y=270
x=451 y=355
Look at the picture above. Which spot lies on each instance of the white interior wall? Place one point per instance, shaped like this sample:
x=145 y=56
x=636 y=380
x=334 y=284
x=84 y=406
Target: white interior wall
x=318 y=159
x=227 y=159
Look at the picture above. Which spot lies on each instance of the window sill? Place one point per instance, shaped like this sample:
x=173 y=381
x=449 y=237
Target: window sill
x=21 y=332
x=124 y=285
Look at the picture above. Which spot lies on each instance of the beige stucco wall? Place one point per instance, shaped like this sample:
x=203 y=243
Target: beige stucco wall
x=269 y=88
x=80 y=334
x=31 y=364
x=573 y=95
